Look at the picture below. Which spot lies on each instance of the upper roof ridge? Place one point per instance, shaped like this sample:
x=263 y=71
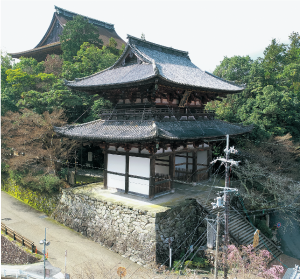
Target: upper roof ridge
x=91 y=20
x=136 y=41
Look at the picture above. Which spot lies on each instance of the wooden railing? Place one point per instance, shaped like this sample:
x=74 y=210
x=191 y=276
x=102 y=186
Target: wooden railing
x=156 y=113
x=162 y=183
x=24 y=241
x=182 y=174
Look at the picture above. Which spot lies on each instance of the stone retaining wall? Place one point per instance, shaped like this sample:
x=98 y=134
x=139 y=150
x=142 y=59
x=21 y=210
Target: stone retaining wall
x=140 y=235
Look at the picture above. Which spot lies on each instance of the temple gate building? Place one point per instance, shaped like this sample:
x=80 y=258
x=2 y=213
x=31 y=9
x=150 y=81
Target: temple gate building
x=157 y=130
x=50 y=43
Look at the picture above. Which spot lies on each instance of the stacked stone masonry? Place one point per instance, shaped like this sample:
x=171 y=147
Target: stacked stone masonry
x=140 y=235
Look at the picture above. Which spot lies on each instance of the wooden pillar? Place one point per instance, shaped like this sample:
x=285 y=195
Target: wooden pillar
x=105 y=168
x=127 y=173
x=268 y=220
x=195 y=166
x=152 y=177
x=187 y=167
x=209 y=159
x=172 y=168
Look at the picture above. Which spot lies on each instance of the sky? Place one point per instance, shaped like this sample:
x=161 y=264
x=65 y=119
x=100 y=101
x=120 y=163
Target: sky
x=208 y=30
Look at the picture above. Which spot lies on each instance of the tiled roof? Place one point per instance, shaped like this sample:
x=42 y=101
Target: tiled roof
x=120 y=75
x=150 y=130
x=70 y=15
x=167 y=63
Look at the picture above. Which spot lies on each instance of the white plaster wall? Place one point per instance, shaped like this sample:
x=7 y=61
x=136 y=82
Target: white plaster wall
x=145 y=151
x=206 y=145
x=161 y=150
x=190 y=161
x=134 y=150
x=112 y=148
x=140 y=186
x=121 y=149
x=161 y=169
x=201 y=159
x=139 y=166
x=116 y=181
x=179 y=160
x=168 y=149
x=116 y=163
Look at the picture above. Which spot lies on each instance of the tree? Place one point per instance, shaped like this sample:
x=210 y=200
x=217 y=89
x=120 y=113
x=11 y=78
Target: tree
x=75 y=33
x=271 y=99
x=53 y=65
x=89 y=60
x=31 y=148
x=244 y=262
x=268 y=177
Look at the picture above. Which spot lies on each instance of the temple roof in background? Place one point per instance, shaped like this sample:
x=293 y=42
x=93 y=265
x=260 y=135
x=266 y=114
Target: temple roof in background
x=50 y=44
x=143 y=61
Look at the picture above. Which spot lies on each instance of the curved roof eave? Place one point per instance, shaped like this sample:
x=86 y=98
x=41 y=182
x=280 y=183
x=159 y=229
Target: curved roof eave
x=54 y=18
x=200 y=87
x=113 y=85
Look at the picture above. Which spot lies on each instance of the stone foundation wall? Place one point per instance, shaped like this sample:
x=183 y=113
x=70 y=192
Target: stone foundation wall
x=140 y=235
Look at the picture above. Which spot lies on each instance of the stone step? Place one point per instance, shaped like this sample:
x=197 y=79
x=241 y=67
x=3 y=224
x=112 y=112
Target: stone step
x=241 y=229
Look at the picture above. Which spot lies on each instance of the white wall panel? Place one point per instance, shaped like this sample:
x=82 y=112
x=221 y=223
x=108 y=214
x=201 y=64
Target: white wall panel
x=116 y=181
x=134 y=150
x=161 y=169
x=139 y=166
x=202 y=158
x=179 y=160
x=116 y=163
x=161 y=150
x=139 y=186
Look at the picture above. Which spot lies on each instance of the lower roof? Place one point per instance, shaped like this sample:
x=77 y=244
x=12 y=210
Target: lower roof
x=150 y=130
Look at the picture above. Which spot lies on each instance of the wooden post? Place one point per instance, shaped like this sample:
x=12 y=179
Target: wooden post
x=105 y=168
x=195 y=166
x=268 y=220
x=152 y=177
x=172 y=168
x=127 y=173
x=209 y=159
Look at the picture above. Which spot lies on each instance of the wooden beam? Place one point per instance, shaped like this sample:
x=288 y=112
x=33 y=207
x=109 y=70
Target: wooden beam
x=152 y=177
x=127 y=173
x=195 y=166
x=105 y=168
x=172 y=168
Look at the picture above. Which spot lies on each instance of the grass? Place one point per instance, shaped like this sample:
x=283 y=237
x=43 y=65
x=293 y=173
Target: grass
x=82 y=179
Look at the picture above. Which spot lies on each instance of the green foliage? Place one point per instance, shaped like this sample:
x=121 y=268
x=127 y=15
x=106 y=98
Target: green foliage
x=38 y=182
x=261 y=225
x=6 y=64
x=89 y=60
x=191 y=262
x=75 y=33
x=271 y=99
x=43 y=201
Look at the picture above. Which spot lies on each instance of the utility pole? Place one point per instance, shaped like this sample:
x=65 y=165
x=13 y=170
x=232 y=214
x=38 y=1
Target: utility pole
x=44 y=252
x=46 y=243
x=226 y=200
x=226 y=197
x=217 y=246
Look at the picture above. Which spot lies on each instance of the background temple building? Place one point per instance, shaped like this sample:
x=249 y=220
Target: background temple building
x=157 y=130
x=50 y=43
